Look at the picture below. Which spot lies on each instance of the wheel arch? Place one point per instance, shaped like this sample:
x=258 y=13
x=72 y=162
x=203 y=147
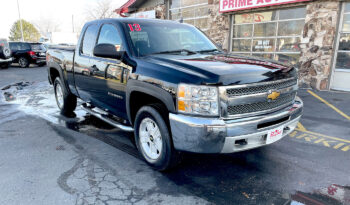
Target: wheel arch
x=55 y=72
x=141 y=93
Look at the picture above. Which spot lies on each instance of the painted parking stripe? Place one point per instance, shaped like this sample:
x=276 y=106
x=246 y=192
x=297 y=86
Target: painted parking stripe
x=329 y=105
x=301 y=127
x=321 y=139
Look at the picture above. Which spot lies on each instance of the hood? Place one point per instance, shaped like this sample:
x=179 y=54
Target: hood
x=226 y=69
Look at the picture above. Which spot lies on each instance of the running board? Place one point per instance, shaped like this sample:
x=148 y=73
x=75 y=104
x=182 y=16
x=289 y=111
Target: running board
x=107 y=119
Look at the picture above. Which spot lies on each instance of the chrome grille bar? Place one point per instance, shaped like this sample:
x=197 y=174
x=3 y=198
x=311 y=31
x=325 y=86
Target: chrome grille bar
x=252 y=99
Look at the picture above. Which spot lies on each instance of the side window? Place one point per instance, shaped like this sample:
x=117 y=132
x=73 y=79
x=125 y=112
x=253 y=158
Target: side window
x=13 y=46
x=89 y=40
x=25 y=46
x=109 y=34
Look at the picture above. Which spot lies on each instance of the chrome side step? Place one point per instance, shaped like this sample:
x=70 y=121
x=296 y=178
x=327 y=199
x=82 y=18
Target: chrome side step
x=101 y=116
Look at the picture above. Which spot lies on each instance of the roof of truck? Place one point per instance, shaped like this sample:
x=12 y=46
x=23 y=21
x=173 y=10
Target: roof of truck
x=125 y=20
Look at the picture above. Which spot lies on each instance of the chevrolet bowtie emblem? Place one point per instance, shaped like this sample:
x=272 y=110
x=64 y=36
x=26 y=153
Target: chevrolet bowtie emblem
x=274 y=95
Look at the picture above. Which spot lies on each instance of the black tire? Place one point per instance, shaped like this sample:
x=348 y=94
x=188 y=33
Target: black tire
x=23 y=62
x=42 y=64
x=168 y=157
x=68 y=103
x=5 y=65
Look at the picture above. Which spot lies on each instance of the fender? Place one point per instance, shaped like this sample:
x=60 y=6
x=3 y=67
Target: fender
x=59 y=69
x=150 y=89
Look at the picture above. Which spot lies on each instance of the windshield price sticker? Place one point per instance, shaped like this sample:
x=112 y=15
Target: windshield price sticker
x=134 y=27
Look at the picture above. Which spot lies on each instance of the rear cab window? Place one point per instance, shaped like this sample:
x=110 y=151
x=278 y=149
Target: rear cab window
x=89 y=40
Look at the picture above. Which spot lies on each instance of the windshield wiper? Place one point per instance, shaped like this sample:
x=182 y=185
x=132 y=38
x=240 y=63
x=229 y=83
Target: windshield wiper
x=176 y=51
x=208 y=51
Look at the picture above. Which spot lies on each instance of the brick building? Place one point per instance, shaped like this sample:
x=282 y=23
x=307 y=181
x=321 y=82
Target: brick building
x=312 y=34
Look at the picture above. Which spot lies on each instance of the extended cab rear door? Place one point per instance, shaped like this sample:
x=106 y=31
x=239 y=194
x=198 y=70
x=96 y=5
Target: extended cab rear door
x=83 y=75
x=110 y=93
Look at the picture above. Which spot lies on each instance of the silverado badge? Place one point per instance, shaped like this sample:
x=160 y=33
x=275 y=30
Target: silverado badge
x=273 y=95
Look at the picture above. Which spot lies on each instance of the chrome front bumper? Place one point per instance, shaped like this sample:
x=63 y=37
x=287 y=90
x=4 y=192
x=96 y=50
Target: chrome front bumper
x=216 y=135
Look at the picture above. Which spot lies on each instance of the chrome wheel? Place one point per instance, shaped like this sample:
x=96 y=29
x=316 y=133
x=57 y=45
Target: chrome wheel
x=150 y=139
x=59 y=96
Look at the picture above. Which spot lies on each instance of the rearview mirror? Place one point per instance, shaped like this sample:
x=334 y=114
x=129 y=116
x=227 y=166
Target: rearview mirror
x=219 y=45
x=105 y=50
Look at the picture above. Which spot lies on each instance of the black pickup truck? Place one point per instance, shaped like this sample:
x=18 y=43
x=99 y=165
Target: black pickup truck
x=170 y=85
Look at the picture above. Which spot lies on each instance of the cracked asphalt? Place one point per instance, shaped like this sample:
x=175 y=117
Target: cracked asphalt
x=46 y=158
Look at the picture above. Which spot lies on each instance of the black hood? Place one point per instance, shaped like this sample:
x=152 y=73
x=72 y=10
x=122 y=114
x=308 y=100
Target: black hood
x=225 y=69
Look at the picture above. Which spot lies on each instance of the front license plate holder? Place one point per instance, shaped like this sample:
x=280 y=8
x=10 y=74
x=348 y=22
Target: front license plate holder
x=274 y=135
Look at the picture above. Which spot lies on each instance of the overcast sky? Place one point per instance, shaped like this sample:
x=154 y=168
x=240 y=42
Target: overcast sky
x=58 y=10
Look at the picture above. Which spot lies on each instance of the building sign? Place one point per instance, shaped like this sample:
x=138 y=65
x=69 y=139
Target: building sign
x=235 y=5
x=144 y=14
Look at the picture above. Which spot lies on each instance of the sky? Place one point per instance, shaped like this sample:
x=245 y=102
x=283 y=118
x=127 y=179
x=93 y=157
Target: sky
x=60 y=11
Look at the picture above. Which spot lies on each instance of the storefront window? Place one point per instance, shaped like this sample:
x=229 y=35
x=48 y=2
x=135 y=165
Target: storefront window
x=195 y=12
x=272 y=34
x=343 y=54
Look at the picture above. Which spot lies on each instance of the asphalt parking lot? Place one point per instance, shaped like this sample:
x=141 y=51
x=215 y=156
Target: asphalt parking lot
x=46 y=158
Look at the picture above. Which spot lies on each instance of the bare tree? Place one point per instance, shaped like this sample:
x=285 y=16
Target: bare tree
x=100 y=10
x=47 y=25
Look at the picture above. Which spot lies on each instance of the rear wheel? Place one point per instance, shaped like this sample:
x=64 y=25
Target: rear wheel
x=23 y=62
x=153 y=140
x=66 y=101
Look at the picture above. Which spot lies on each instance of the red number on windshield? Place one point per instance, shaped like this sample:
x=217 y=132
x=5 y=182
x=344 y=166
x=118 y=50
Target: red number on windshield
x=135 y=27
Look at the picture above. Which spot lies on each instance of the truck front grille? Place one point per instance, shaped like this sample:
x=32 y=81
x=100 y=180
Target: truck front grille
x=262 y=106
x=260 y=88
x=252 y=99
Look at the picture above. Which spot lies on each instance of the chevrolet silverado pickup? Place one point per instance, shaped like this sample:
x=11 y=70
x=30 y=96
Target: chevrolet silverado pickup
x=174 y=88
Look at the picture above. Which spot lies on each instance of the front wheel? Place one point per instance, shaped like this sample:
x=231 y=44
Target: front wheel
x=153 y=139
x=66 y=101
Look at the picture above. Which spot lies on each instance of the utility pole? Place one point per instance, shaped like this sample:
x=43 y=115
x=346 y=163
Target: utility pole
x=73 y=22
x=20 y=21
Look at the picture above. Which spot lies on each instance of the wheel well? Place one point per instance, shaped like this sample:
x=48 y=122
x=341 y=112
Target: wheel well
x=139 y=99
x=53 y=74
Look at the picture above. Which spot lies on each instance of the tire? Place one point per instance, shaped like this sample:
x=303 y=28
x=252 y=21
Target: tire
x=42 y=64
x=66 y=101
x=164 y=156
x=5 y=65
x=23 y=62
x=5 y=52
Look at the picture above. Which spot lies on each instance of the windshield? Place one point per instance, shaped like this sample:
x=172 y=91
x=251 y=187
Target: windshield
x=150 y=38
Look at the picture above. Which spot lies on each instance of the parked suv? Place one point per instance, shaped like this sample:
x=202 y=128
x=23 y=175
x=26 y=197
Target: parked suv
x=5 y=54
x=25 y=53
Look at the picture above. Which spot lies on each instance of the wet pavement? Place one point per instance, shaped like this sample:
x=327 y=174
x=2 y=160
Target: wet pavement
x=46 y=158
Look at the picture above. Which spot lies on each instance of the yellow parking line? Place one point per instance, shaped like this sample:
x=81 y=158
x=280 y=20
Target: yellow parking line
x=329 y=105
x=301 y=127
x=325 y=136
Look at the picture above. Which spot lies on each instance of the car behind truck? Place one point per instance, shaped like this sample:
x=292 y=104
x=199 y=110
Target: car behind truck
x=5 y=54
x=170 y=85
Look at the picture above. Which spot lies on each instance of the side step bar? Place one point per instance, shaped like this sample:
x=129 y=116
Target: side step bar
x=106 y=119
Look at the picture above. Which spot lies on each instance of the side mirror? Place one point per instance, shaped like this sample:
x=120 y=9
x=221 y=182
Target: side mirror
x=105 y=50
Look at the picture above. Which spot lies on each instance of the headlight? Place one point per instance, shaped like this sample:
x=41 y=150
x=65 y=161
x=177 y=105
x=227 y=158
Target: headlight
x=193 y=99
